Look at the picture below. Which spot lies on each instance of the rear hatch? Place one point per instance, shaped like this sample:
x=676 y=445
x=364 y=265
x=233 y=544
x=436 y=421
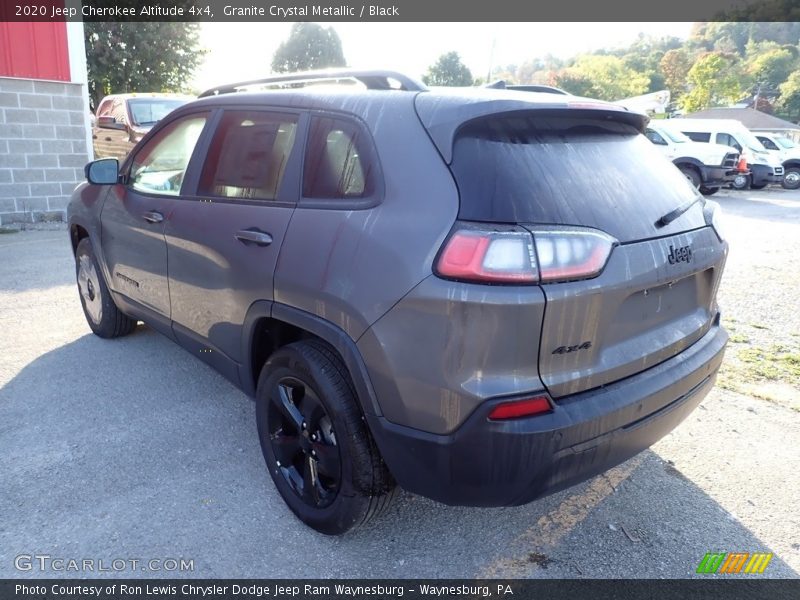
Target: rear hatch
x=656 y=294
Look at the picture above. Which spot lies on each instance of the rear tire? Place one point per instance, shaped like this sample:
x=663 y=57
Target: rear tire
x=706 y=191
x=791 y=178
x=102 y=315
x=741 y=182
x=315 y=442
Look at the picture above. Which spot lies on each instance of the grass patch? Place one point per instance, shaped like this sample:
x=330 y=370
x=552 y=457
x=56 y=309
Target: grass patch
x=758 y=326
x=770 y=373
x=738 y=338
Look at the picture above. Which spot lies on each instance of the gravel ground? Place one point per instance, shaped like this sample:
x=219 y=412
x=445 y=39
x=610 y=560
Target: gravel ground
x=134 y=449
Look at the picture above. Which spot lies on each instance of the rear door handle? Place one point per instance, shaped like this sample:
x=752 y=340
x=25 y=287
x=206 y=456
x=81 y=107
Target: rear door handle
x=253 y=236
x=153 y=216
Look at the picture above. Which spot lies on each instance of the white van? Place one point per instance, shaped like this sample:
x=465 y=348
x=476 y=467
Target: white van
x=707 y=166
x=765 y=168
x=788 y=152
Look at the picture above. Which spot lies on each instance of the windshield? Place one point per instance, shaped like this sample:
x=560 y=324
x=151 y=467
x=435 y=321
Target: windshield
x=675 y=136
x=148 y=111
x=785 y=142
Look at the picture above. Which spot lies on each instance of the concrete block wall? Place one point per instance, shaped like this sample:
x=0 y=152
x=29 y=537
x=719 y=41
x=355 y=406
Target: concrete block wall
x=43 y=147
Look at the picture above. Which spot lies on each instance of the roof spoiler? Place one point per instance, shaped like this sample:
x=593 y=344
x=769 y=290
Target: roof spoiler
x=372 y=79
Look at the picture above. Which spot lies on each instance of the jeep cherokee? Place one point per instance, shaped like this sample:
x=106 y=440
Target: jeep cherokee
x=419 y=287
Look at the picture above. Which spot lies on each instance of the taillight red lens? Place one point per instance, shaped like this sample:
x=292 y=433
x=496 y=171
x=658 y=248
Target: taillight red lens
x=484 y=253
x=489 y=256
x=571 y=253
x=520 y=408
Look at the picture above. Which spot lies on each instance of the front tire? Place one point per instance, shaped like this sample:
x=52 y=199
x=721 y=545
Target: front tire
x=102 y=315
x=315 y=442
x=741 y=182
x=791 y=178
x=692 y=176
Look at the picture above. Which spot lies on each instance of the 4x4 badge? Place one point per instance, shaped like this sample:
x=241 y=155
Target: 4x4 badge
x=568 y=349
x=682 y=254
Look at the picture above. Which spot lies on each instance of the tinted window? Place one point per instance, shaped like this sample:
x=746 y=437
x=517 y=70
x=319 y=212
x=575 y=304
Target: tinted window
x=654 y=137
x=339 y=161
x=160 y=165
x=248 y=155
x=698 y=136
x=768 y=144
x=728 y=140
x=570 y=172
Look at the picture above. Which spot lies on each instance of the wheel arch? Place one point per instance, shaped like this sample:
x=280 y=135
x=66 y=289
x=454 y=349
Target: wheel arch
x=691 y=163
x=270 y=325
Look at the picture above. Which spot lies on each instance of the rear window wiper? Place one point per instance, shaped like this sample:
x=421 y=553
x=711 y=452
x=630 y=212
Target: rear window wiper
x=677 y=212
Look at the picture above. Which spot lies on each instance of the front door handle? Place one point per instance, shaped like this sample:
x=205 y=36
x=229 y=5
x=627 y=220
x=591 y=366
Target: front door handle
x=153 y=216
x=253 y=236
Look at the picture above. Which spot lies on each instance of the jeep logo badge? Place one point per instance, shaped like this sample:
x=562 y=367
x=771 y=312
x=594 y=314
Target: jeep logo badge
x=682 y=254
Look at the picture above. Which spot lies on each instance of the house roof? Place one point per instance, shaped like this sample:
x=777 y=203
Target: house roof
x=750 y=118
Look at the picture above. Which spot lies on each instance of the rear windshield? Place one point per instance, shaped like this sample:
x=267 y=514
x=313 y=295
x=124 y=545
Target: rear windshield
x=567 y=171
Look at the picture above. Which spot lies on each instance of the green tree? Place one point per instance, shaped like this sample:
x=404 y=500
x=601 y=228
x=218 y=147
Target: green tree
x=309 y=46
x=140 y=57
x=771 y=68
x=608 y=76
x=448 y=70
x=789 y=103
x=715 y=79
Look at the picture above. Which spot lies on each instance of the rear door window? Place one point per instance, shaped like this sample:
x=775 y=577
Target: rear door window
x=340 y=160
x=248 y=155
x=568 y=171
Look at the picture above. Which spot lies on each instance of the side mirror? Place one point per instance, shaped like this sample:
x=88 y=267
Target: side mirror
x=109 y=123
x=102 y=172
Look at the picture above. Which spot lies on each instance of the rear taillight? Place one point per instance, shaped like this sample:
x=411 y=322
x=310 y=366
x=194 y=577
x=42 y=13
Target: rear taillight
x=517 y=409
x=487 y=253
x=504 y=256
x=571 y=253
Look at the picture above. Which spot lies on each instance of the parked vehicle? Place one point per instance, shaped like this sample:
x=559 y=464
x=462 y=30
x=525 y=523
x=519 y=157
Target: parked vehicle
x=121 y=120
x=788 y=153
x=708 y=167
x=764 y=168
x=419 y=287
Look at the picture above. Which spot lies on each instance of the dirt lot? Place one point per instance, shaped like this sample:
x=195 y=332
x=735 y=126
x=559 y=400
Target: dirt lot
x=134 y=449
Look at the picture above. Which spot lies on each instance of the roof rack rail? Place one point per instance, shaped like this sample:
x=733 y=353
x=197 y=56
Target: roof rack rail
x=372 y=79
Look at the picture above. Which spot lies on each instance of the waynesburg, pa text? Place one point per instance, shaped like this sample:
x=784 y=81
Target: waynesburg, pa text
x=199 y=591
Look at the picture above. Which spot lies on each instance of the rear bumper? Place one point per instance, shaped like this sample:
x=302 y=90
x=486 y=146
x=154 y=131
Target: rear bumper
x=494 y=463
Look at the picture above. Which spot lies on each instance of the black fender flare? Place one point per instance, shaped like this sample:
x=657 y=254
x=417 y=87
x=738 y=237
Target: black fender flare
x=326 y=331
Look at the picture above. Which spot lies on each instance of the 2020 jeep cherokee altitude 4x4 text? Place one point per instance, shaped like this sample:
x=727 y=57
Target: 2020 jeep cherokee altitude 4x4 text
x=419 y=287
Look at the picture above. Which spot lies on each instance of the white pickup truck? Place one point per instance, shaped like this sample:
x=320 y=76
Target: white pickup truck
x=707 y=166
x=788 y=153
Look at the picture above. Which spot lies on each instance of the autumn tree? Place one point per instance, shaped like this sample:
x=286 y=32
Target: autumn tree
x=309 y=46
x=140 y=57
x=674 y=66
x=448 y=71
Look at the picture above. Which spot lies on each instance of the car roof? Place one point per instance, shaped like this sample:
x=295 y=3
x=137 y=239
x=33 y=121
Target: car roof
x=442 y=110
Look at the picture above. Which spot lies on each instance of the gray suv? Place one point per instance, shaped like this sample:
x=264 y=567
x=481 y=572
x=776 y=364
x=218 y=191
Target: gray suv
x=430 y=288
